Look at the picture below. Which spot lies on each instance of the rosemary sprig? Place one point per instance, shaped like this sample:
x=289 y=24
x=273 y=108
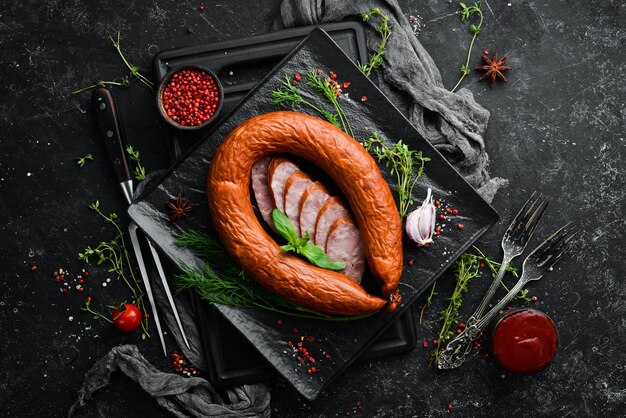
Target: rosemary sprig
x=466 y=12
x=123 y=81
x=406 y=164
x=139 y=172
x=222 y=281
x=384 y=30
x=289 y=95
x=83 y=160
x=115 y=254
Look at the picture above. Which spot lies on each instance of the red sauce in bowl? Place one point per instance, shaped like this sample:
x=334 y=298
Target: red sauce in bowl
x=525 y=341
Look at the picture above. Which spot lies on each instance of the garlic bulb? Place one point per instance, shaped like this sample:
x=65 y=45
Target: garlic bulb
x=420 y=224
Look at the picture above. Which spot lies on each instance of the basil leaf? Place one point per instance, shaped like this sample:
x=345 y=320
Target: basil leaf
x=284 y=226
x=300 y=242
x=318 y=257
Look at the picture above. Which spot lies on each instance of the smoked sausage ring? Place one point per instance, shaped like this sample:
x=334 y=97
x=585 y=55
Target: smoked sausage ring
x=358 y=177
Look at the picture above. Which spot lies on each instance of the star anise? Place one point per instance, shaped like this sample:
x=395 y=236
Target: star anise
x=179 y=208
x=494 y=69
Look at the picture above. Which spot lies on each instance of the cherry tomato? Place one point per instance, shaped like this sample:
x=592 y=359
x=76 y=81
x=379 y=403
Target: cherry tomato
x=127 y=317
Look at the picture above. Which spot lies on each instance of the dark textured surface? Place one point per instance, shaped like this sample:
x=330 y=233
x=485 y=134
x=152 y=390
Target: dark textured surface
x=558 y=125
x=189 y=176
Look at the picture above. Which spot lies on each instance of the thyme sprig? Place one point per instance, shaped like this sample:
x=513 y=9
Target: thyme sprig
x=466 y=269
x=384 y=30
x=122 y=81
x=406 y=164
x=81 y=161
x=96 y=315
x=115 y=254
x=222 y=281
x=139 y=172
x=466 y=13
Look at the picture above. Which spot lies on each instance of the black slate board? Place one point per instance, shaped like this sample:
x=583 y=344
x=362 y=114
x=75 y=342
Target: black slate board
x=342 y=341
x=230 y=358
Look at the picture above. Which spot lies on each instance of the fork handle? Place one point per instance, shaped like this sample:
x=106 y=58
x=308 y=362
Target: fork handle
x=491 y=292
x=484 y=321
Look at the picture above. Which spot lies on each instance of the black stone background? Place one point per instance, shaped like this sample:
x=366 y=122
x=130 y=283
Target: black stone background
x=558 y=125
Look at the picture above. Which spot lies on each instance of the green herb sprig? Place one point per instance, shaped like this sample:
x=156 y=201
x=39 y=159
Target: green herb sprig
x=139 y=172
x=328 y=89
x=466 y=12
x=83 y=160
x=125 y=80
x=406 y=164
x=302 y=246
x=115 y=254
x=222 y=281
x=384 y=30
x=466 y=268
x=96 y=315
x=289 y=95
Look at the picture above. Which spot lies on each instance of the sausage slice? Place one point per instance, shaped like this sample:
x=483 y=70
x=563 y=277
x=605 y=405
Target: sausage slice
x=344 y=244
x=312 y=201
x=355 y=173
x=279 y=171
x=261 y=189
x=332 y=210
x=294 y=189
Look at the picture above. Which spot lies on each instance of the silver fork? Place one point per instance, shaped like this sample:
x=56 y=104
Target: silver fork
x=514 y=242
x=536 y=265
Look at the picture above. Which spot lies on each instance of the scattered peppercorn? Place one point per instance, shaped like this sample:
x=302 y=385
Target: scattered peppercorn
x=297 y=76
x=455 y=211
x=201 y=8
x=411 y=262
x=442 y=217
x=425 y=344
x=279 y=322
x=33 y=268
x=534 y=298
x=460 y=226
x=450 y=407
x=364 y=98
x=189 y=30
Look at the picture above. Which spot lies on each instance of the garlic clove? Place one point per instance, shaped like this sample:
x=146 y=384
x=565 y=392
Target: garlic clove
x=420 y=224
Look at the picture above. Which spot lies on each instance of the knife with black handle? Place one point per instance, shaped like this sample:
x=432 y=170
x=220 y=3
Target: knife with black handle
x=112 y=132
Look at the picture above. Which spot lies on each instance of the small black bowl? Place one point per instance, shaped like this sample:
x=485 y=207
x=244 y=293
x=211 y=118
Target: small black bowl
x=165 y=82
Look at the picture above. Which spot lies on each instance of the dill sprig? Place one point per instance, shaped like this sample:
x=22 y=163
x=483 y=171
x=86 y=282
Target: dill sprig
x=222 y=281
x=406 y=164
x=384 y=30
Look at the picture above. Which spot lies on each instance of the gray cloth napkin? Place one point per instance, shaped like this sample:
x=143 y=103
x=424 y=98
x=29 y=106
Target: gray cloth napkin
x=453 y=122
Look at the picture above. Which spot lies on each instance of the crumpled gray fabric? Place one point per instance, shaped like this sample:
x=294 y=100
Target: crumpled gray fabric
x=452 y=122
x=181 y=396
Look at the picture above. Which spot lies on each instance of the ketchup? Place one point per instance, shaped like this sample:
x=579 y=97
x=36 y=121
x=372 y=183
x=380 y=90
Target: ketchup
x=525 y=341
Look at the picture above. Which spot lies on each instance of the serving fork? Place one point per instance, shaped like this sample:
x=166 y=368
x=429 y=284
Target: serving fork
x=535 y=266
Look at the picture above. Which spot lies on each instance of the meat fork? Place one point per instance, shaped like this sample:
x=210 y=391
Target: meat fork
x=113 y=135
x=535 y=266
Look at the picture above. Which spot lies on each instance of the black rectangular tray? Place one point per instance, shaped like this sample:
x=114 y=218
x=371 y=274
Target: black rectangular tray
x=230 y=358
x=337 y=344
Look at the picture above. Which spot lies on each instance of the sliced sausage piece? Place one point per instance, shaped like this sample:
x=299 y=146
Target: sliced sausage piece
x=261 y=189
x=279 y=171
x=344 y=243
x=312 y=201
x=294 y=189
x=333 y=209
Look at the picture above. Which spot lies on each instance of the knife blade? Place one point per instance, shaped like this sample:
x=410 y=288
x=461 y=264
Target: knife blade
x=113 y=135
